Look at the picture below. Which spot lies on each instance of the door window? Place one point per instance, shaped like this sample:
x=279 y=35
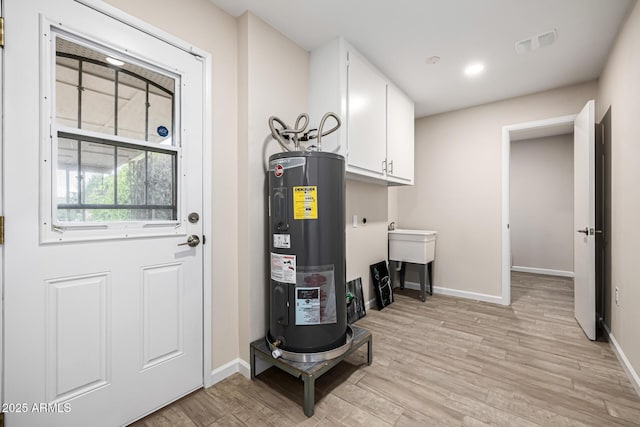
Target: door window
x=113 y=149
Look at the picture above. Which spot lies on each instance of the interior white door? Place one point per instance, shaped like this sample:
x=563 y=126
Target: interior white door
x=584 y=219
x=102 y=308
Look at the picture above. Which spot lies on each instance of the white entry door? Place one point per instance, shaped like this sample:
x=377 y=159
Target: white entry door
x=102 y=169
x=584 y=219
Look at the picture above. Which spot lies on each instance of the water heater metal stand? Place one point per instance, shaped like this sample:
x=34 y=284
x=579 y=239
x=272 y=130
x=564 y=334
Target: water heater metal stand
x=309 y=371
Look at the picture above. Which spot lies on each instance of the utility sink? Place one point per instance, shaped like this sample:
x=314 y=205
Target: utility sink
x=414 y=246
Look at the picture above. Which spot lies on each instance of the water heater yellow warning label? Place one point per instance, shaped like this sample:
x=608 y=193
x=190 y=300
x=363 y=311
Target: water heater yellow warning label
x=305 y=202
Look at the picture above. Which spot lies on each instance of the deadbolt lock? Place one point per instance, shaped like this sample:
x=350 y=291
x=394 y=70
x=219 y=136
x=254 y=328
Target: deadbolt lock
x=193 y=217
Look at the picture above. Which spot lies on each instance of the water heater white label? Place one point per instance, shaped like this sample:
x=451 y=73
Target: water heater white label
x=283 y=268
x=307 y=306
x=282 y=241
x=321 y=277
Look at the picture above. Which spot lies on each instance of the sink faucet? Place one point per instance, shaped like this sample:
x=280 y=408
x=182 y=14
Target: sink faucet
x=392 y=226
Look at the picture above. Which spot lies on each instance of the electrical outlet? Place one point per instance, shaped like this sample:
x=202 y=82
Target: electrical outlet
x=617 y=296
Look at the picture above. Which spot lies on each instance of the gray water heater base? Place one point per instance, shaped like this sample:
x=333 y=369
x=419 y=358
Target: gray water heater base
x=314 y=357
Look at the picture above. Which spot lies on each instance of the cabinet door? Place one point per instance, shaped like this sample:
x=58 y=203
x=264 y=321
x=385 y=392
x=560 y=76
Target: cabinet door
x=366 y=111
x=400 y=136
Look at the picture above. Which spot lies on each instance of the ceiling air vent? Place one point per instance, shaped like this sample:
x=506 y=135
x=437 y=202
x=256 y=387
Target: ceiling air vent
x=533 y=43
x=547 y=39
x=524 y=46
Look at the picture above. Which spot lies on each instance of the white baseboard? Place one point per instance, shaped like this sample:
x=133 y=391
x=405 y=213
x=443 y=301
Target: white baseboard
x=370 y=303
x=626 y=365
x=457 y=293
x=546 y=271
x=244 y=368
x=228 y=369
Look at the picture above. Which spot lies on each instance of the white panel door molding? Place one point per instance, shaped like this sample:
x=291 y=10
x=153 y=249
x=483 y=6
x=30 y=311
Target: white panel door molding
x=584 y=220
x=77 y=345
x=163 y=313
x=103 y=304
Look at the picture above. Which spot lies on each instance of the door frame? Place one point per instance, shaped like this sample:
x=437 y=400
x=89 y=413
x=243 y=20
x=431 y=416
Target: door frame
x=536 y=125
x=1 y=213
x=206 y=216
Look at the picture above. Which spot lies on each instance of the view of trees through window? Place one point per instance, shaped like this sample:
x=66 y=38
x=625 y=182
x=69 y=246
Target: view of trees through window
x=141 y=188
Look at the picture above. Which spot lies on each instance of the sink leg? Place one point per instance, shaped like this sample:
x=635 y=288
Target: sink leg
x=403 y=272
x=392 y=272
x=423 y=284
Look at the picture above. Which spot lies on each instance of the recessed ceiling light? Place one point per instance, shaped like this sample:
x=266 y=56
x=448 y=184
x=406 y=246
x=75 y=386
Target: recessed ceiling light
x=432 y=60
x=474 y=69
x=114 y=61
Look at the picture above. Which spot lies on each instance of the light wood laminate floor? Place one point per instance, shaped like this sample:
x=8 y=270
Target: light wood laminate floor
x=445 y=362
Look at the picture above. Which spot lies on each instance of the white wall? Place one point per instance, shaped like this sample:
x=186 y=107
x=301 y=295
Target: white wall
x=541 y=218
x=273 y=81
x=392 y=201
x=457 y=187
x=367 y=243
x=204 y=25
x=619 y=87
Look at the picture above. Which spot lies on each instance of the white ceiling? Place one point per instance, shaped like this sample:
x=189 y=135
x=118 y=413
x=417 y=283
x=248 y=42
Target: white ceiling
x=398 y=35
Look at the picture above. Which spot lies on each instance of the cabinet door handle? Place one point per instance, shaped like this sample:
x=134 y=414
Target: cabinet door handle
x=384 y=166
x=391 y=167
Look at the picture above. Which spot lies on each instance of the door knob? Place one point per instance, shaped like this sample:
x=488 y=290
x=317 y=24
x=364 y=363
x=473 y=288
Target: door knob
x=192 y=241
x=585 y=231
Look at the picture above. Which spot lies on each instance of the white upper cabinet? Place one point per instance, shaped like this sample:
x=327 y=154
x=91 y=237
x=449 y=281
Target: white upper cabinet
x=328 y=92
x=400 y=137
x=366 y=117
x=376 y=137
